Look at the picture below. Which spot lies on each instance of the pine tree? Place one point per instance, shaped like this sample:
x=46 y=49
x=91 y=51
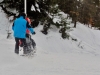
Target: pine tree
x=89 y=10
x=48 y=10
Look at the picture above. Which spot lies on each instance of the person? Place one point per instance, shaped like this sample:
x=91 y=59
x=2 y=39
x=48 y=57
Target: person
x=28 y=19
x=19 y=28
x=28 y=36
x=28 y=30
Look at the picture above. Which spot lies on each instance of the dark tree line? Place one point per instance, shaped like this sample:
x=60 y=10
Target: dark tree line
x=84 y=11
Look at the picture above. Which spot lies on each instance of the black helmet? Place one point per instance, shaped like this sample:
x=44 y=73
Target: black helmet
x=23 y=14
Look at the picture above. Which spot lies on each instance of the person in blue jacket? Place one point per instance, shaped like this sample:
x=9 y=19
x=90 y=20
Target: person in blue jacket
x=19 y=28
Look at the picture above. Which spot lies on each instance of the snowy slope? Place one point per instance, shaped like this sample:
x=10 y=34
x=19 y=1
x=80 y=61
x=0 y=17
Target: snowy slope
x=55 y=56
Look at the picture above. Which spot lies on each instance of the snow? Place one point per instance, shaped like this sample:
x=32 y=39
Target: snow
x=36 y=5
x=33 y=8
x=54 y=56
x=1 y=0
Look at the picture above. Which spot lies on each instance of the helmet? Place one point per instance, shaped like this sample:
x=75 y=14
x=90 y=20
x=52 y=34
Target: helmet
x=23 y=14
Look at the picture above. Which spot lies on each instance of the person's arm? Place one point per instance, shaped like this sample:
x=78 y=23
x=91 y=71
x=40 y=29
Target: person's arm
x=13 y=26
x=30 y=28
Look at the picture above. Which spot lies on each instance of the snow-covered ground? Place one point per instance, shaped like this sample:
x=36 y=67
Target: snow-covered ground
x=54 y=56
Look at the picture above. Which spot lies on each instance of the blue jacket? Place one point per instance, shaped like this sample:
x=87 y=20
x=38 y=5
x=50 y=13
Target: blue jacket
x=19 y=27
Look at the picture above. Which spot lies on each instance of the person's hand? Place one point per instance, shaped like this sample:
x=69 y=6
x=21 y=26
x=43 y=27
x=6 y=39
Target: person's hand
x=34 y=33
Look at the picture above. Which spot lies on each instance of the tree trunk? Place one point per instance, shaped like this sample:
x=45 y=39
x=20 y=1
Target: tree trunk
x=75 y=24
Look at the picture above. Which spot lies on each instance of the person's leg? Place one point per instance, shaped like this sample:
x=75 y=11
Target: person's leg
x=33 y=43
x=23 y=44
x=17 y=45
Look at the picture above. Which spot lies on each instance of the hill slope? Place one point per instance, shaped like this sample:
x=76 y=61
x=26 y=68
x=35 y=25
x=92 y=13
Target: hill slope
x=55 y=56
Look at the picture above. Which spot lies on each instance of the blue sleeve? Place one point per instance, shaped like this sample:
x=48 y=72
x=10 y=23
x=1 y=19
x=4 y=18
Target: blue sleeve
x=31 y=30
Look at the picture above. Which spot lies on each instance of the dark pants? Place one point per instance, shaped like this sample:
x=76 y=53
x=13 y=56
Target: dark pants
x=33 y=42
x=23 y=43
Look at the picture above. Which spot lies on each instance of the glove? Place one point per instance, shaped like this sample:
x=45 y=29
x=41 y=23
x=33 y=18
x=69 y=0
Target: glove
x=34 y=33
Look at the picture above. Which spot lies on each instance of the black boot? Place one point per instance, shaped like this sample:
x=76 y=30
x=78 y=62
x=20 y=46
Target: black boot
x=16 y=51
